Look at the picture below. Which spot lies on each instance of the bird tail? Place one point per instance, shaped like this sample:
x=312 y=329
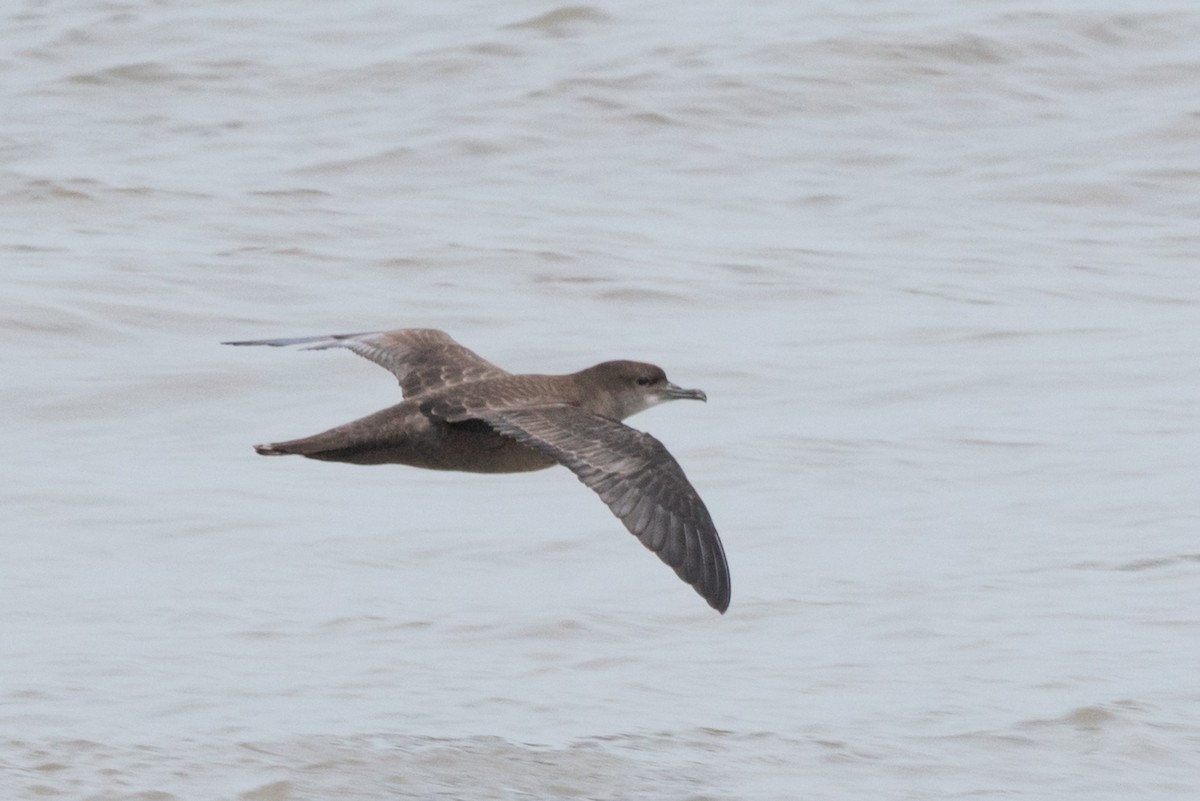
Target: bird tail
x=275 y=449
x=370 y=440
x=314 y=447
x=335 y=445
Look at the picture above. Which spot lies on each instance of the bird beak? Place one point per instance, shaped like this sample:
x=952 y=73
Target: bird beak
x=672 y=392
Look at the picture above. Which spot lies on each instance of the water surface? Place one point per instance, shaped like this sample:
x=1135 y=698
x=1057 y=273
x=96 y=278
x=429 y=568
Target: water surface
x=934 y=265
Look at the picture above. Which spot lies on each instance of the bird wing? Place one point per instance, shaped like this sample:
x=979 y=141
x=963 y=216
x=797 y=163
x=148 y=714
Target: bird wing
x=422 y=359
x=640 y=481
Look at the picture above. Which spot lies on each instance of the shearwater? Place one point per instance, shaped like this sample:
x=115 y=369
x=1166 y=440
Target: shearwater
x=461 y=412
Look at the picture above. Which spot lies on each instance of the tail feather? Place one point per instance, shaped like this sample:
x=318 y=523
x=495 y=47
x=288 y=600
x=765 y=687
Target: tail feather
x=331 y=446
x=307 y=446
x=371 y=440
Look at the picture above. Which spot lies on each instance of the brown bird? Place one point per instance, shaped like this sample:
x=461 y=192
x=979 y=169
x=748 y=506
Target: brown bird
x=461 y=412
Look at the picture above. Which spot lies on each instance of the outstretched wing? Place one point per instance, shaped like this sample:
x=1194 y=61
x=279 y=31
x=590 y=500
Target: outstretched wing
x=421 y=358
x=640 y=481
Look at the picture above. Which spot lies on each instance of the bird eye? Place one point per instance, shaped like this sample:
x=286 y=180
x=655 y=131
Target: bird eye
x=641 y=381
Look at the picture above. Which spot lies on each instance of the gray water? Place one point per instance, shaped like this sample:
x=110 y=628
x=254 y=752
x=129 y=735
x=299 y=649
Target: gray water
x=935 y=265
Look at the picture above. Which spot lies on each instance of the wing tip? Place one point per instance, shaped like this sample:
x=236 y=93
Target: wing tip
x=271 y=343
x=718 y=600
x=314 y=342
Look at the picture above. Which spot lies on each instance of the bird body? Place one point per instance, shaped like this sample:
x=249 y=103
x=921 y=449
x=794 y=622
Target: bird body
x=404 y=434
x=461 y=412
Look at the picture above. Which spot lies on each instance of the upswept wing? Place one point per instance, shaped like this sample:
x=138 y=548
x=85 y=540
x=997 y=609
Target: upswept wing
x=422 y=359
x=640 y=481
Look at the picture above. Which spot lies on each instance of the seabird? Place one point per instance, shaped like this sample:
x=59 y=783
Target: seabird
x=461 y=412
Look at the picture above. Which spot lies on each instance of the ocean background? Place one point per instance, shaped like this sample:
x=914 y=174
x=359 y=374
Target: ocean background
x=937 y=266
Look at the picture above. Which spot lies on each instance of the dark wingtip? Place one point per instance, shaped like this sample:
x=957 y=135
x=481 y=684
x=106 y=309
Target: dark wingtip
x=720 y=604
x=717 y=590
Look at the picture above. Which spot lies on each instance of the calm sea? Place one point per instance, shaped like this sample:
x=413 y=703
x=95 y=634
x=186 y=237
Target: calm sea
x=937 y=266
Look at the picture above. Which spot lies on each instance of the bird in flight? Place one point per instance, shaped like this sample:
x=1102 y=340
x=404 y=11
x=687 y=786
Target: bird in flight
x=461 y=412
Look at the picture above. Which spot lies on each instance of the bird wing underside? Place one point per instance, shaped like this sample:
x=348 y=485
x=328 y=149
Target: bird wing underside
x=640 y=481
x=422 y=359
